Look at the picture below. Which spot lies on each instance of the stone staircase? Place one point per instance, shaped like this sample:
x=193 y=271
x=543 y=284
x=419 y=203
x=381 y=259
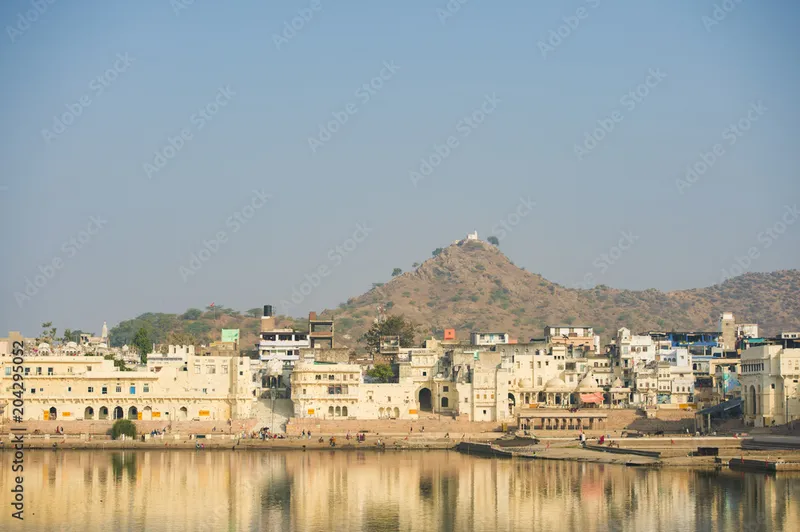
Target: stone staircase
x=277 y=420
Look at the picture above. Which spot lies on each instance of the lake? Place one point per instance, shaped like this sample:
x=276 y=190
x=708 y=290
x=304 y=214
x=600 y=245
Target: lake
x=371 y=491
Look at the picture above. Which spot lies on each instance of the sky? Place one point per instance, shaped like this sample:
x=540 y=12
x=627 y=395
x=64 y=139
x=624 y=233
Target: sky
x=164 y=155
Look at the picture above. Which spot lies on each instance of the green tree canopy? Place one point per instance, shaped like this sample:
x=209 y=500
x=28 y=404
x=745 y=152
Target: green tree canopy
x=493 y=240
x=437 y=251
x=123 y=426
x=142 y=343
x=192 y=314
x=254 y=312
x=396 y=325
x=382 y=372
x=396 y=272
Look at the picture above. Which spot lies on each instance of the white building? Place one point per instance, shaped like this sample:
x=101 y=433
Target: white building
x=488 y=338
x=769 y=379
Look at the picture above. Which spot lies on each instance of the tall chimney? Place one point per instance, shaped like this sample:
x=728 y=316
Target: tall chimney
x=267 y=311
x=312 y=315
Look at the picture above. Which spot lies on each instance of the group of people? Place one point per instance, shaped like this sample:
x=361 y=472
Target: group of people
x=306 y=435
x=59 y=430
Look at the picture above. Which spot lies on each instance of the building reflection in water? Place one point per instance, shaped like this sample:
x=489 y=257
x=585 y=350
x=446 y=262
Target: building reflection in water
x=356 y=490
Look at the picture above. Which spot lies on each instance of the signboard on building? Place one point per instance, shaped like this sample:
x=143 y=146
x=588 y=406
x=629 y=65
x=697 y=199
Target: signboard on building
x=204 y=413
x=230 y=335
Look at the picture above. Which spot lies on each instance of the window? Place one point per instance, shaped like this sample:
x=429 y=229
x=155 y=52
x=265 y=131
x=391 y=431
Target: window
x=466 y=399
x=88 y=368
x=119 y=389
x=304 y=391
x=38 y=371
x=773 y=386
x=424 y=373
x=224 y=369
x=27 y=371
x=446 y=389
x=49 y=371
x=211 y=369
x=319 y=377
x=330 y=377
x=8 y=370
x=69 y=369
x=104 y=390
x=146 y=388
x=69 y=388
x=33 y=390
x=91 y=389
x=197 y=369
x=205 y=390
x=133 y=390
x=388 y=399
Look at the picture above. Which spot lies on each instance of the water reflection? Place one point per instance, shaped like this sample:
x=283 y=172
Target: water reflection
x=216 y=490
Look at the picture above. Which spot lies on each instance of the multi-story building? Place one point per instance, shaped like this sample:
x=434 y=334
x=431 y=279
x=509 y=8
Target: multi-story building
x=576 y=337
x=91 y=387
x=770 y=374
x=488 y=338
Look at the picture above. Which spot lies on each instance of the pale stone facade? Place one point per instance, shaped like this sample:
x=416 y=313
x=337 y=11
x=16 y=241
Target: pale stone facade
x=770 y=389
x=90 y=387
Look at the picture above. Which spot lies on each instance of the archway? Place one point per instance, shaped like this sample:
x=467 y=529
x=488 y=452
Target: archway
x=445 y=402
x=338 y=411
x=344 y=411
x=147 y=413
x=425 y=403
x=512 y=404
x=183 y=413
x=88 y=413
x=558 y=398
x=381 y=412
x=330 y=411
x=396 y=413
x=542 y=398
x=118 y=413
x=103 y=413
x=52 y=413
x=133 y=413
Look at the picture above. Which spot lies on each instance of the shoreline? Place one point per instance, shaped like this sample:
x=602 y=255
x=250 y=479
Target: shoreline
x=553 y=449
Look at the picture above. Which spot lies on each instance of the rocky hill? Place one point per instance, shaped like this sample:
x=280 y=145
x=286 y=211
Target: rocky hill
x=473 y=286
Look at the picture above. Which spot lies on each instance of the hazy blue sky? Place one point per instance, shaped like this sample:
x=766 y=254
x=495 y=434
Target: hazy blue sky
x=282 y=90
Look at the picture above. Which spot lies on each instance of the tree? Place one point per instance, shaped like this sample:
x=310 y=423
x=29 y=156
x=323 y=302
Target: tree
x=493 y=240
x=181 y=338
x=437 y=251
x=396 y=272
x=48 y=332
x=192 y=314
x=382 y=372
x=67 y=336
x=123 y=426
x=142 y=343
x=415 y=265
x=391 y=326
x=254 y=312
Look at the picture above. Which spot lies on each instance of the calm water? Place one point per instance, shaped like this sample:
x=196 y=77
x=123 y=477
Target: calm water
x=436 y=490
